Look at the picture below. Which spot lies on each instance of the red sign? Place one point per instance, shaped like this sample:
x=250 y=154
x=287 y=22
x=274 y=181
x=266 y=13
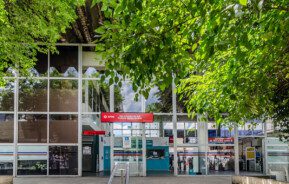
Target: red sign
x=229 y=140
x=93 y=132
x=171 y=139
x=110 y=117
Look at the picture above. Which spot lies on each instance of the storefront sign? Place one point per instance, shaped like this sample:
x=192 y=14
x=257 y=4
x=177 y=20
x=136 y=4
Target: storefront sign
x=216 y=140
x=126 y=142
x=110 y=117
x=93 y=132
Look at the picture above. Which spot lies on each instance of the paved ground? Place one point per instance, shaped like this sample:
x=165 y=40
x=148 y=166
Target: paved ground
x=133 y=180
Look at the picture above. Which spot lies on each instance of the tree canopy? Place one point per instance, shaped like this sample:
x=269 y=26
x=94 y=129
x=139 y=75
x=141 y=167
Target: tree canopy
x=230 y=58
x=27 y=24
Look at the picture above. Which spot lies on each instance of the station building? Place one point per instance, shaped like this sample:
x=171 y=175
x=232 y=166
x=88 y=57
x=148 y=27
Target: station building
x=50 y=124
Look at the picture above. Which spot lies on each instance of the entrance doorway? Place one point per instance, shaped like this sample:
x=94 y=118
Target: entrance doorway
x=90 y=155
x=128 y=149
x=251 y=154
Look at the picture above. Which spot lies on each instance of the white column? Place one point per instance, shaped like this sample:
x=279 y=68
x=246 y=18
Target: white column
x=111 y=109
x=236 y=147
x=202 y=133
x=16 y=89
x=79 y=110
x=144 y=149
x=174 y=99
x=264 y=150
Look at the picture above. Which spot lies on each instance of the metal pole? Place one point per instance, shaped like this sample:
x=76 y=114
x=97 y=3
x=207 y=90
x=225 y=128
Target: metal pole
x=121 y=176
x=111 y=109
x=15 y=138
x=236 y=142
x=175 y=127
x=79 y=110
x=144 y=172
x=264 y=150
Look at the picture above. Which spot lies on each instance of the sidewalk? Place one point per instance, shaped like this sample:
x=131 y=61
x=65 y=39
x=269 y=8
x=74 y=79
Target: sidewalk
x=133 y=180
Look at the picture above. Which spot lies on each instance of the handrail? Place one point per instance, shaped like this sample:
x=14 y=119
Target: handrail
x=112 y=173
x=127 y=173
x=126 y=178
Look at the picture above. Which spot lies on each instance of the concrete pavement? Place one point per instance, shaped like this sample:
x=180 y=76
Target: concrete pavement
x=133 y=180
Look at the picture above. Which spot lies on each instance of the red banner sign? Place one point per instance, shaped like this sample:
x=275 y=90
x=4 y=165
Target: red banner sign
x=229 y=140
x=110 y=117
x=93 y=132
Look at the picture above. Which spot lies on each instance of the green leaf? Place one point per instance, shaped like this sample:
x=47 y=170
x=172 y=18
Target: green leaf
x=243 y=2
x=100 y=47
x=100 y=30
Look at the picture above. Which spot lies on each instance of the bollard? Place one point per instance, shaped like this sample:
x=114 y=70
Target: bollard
x=122 y=176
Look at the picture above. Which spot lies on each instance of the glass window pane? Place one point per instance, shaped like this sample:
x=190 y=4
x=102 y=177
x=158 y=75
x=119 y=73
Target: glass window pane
x=92 y=65
x=6 y=160
x=93 y=121
x=95 y=96
x=126 y=132
x=221 y=160
x=65 y=62
x=63 y=160
x=220 y=130
x=148 y=133
x=63 y=129
x=126 y=125
x=136 y=126
x=63 y=96
x=117 y=133
x=32 y=160
x=164 y=124
x=191 y=161
x=136 y=132
x=251 y=128
x=6 y=128
x=7 y=97
x=155 y=133
x=117 y=125
x=33 y=95
x=32 y=128
x=154 y=125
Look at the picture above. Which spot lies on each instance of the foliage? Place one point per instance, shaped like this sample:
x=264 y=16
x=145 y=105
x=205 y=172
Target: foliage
x=230 y=58
x=24 y=24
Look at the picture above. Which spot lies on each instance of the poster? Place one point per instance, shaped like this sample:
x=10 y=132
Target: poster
x=86 y=150
x=126 y=142
x=250 y=153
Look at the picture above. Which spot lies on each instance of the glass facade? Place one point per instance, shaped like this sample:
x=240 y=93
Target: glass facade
x=32 y=160
x=42 y=118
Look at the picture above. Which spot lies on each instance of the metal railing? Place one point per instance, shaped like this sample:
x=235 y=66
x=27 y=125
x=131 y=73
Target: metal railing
x=127 y=173
x=124 y=178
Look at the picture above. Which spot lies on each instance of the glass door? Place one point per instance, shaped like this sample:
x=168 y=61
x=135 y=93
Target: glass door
x=129 y=149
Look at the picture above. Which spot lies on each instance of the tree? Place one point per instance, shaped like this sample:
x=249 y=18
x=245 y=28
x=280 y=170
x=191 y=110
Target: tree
x=230 y=58
x=27 y=24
